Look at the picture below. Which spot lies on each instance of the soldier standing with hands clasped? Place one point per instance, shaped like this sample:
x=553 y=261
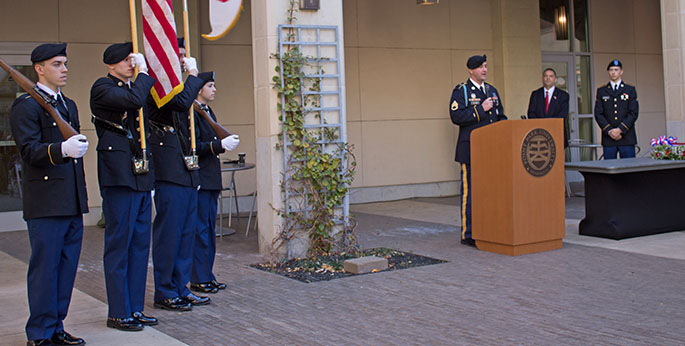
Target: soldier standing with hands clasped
x=54 y=190
x=616 y=111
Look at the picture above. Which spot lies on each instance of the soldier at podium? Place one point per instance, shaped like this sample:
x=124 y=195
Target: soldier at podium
x=474 y=104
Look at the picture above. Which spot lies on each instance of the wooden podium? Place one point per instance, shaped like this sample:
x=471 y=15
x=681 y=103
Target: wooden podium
x=517 y=183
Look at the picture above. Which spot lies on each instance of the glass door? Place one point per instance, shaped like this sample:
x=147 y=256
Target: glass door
x=563 y=66
x=573 y=76
x=17 y=55
x=10 y=162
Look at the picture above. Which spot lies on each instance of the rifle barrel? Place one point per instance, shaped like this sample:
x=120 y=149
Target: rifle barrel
x=45 y=102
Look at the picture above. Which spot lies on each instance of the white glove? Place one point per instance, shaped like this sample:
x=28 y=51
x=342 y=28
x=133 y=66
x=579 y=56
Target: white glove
x=139 y=60
x=189 y=64
x=231 y=142
x=75 y=147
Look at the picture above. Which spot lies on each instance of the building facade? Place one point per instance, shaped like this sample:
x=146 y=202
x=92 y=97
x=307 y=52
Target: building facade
x=401 y=61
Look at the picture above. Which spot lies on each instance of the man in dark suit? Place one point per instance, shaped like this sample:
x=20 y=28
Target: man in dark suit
x=549 y=101
x=474 y=104
x=616 y=111
x=54 y=190
x=209 y=147
x=126 y=198
x=176 y=186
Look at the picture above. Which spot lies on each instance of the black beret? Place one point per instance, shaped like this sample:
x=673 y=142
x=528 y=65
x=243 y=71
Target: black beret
x=48 y=51
x=117 y=52
x=475 y=61
x=615 y=62
x=206 y=77
x=181 y=42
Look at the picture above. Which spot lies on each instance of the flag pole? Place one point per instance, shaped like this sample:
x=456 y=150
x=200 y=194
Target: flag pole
x=140 y=166
x=186 y=33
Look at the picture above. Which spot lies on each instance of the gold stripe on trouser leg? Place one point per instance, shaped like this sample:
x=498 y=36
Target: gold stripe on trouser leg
x=464 y=181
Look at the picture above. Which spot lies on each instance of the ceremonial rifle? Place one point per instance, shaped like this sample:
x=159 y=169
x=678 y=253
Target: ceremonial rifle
x=220 y=130
x=44 y=100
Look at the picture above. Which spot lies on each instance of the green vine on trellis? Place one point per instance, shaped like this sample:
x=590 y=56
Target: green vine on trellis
x=314 y=173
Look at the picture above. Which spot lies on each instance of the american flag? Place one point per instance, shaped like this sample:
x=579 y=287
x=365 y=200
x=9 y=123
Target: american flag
x=161 y=49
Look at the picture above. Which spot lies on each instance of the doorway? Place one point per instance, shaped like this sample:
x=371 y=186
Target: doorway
x=573 y=76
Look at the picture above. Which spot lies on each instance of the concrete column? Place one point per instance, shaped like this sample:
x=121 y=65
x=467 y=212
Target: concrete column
x=517 y=61
x=266 y=16
x=672 y=30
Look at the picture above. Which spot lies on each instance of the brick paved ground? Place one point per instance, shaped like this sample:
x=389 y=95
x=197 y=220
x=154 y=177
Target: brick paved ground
x=578 y=295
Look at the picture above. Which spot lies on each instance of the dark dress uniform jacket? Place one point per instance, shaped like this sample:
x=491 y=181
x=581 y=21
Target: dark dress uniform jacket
x=617 y=109
x=558 y=107
x=52 y=185
x=110 y=98
x=467 y=112
x=208 y=148
x=169 y=147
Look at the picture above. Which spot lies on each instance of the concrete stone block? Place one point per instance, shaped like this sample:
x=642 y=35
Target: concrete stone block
x=365 y=264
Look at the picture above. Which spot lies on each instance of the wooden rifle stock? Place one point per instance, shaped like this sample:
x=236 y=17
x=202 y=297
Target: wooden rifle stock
x=220 y=130
x=43 y=99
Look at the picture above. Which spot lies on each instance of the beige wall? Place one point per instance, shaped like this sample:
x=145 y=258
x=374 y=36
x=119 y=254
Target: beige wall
x=632 y=34
x=403 y=61
x=672 y=26
x=230 y=57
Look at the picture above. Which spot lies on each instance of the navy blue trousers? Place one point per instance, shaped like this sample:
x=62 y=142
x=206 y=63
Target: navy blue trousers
x=626 y=151
x=173 y=234
x=465 y=202
x=55 y=250
x=128 y=216
x=205 y=238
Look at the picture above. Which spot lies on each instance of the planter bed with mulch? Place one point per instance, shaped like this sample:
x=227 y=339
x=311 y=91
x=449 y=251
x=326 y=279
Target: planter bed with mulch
x=324 y=268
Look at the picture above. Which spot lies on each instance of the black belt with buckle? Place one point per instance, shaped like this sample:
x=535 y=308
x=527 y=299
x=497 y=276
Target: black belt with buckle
x=110 y=126
x=162 y=127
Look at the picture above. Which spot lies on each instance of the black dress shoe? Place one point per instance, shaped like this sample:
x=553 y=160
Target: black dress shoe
x=196 y=300
x=39 y=342
x=64 y=338
x=174 y=304
x=128 y=324
x=145 y=320
x=219 y=285
x=469 y=242
x=205 y=287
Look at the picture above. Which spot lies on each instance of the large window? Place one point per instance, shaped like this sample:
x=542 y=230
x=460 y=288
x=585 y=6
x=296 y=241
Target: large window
x=564 y=35
x=563 y=22
x=10 y=162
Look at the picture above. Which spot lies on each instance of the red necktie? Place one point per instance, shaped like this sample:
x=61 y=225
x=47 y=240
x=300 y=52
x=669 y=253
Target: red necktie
x=546 y=102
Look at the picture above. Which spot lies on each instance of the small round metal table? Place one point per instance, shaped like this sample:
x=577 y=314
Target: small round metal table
x=232 y=167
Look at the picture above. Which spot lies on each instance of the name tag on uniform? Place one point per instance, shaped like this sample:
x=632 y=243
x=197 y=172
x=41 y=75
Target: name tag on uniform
x=605 y=98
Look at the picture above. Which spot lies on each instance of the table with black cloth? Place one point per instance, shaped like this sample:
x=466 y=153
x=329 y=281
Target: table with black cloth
x=634 y=197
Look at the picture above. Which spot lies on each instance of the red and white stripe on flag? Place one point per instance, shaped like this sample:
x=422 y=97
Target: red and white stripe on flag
x=161 y=49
